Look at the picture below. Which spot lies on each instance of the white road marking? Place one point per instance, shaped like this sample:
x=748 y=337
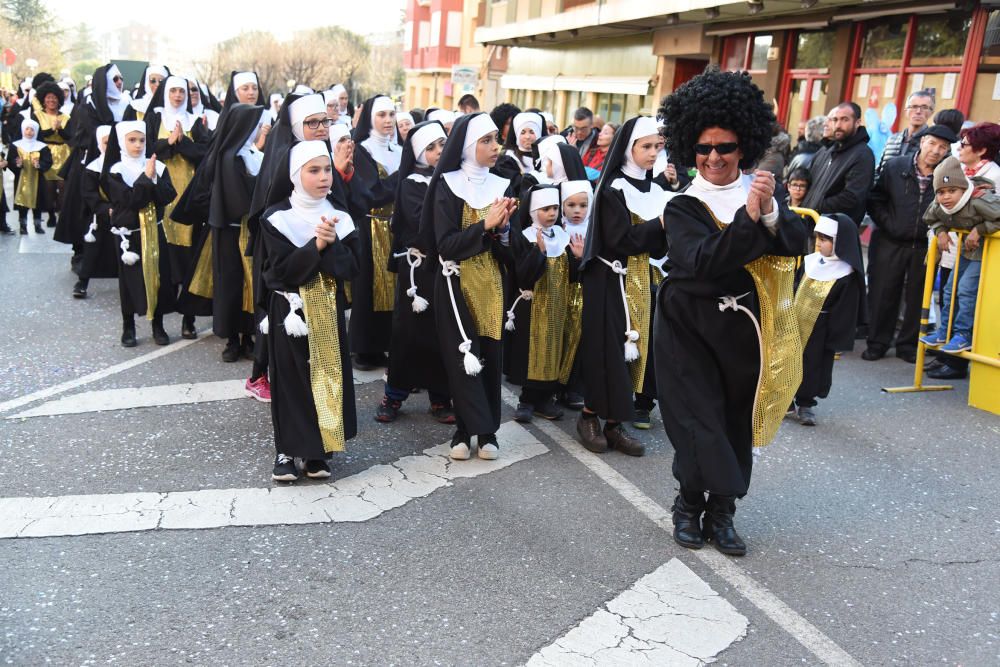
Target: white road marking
x=42 y=244
x=14 y=403
x=359 y=497
x=669 y=617
x=807 y=634
x=156 y=396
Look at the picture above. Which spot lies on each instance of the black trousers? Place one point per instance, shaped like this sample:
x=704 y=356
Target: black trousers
x=895 y=276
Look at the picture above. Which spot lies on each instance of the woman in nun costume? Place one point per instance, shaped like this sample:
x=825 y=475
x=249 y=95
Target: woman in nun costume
x=467 y=213
x=203 y=103
x=309 y=258
x=139 y=188
x=728 y=346
x=625 y=230
x=152 y=78
x=373 y=193
x=518 y=157
x=414 y=355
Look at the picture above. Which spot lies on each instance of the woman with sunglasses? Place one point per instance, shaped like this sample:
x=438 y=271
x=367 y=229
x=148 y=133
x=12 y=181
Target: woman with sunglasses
x=723 y=316
x=152 y=77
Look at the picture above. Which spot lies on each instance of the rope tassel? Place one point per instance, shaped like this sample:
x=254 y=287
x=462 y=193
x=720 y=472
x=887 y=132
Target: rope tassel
x=525 y=295
x=89 y=236
x=631 y=335
x=472 y=364
x=264 y=326
x=414 y=258
x=295 y=326
x=128 y=257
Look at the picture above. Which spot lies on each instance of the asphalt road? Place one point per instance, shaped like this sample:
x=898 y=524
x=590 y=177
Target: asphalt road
x=873 y=536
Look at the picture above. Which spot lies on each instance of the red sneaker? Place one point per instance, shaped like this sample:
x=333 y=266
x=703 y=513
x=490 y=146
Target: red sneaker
x=259 y=389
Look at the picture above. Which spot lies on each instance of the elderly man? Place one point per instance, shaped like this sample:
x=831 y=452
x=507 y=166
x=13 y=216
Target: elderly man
x=898 y=246
x=843 y=170
x=583 y=132
x=919 y=108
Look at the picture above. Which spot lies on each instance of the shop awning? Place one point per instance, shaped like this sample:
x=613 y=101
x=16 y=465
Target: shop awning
x=625 y=85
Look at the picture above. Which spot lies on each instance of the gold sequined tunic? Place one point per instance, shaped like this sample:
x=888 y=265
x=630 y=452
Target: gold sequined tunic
x=549 y=305
x=482 y=282
x=637 y=289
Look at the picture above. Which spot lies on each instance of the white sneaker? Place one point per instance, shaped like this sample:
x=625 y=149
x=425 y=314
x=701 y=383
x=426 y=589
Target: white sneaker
x=460 y=450
x=489 y=452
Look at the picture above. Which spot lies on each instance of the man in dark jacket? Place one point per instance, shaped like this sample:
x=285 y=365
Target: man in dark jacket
x=843 y=171
x=582 y=133
x=919 y=107
x=898 y=245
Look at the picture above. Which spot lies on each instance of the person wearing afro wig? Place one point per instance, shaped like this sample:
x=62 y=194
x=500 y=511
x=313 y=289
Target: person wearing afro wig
x=55 y=130
x=728 y=352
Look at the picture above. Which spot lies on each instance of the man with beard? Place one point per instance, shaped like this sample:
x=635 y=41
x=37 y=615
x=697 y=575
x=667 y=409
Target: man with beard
x=844 y=170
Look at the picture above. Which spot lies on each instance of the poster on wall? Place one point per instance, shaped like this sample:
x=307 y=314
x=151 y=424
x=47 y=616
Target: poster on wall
x=863 y=81
x=948 y=87
x=916 y=83
x=890 y=85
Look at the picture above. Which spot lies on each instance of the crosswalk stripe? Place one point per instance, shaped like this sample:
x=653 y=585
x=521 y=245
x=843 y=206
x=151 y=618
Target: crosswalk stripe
x=669 y=617
x=360 y=497
x=42 y=244
x=156 y=396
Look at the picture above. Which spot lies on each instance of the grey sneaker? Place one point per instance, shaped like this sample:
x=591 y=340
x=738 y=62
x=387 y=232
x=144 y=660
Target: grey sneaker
x=806 y=416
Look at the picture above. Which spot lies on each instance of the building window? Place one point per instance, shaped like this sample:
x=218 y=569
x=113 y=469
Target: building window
x=883 y=45
x=813 y=50
x=758 y=57
x=735 y=52
x=453 y=36
x=435 y=28
x=746 y=52
x=408 y=36
x=941 y=39
x=424 y=35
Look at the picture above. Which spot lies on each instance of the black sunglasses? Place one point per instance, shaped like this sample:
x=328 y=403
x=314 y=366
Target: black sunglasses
x=721 y=149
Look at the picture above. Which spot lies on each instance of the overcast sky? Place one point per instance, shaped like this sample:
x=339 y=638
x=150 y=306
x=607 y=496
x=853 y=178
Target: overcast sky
x=198 y=24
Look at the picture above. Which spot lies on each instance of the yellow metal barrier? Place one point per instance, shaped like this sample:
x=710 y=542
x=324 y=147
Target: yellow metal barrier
x=984 y=387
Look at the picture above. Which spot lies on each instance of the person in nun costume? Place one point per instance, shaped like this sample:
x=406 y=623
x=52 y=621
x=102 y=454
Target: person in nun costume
x=310 y=255
x=728 y=347
x=536 y=320
x=467 y=216
x=414 y=354
x=373 y=193
x=625 y=230
x=105 y=105
x=245 y=88
x=345 y=111
x=139 y=188
x=404 y=123
x=100 y=247
x=152 y=77
x=577 y=199
x=203 y=103
x=31 y=160
x=236 y=165
x=829 y=303
x=518 y=157
x=180 y=140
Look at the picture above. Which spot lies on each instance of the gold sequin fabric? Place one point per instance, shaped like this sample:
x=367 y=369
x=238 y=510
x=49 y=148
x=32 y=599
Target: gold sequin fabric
x=57 y=145
x=150 y=237
x=60 y=153
x=548 y=307
x=809 y=300
x=27 y=184
x=181 y=173
x=326 y=376
x=572 y=331
x=247 y=261
x=202 y=283
x=482 y=283
x=639 y=298
x=384 y=281
x=781 y=344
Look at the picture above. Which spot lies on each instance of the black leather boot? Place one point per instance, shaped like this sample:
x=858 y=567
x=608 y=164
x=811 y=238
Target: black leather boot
x=717 y=525
x=187 y=328
x=231 y=352
x=160 y=336
x=128 y=333
x=687 y=522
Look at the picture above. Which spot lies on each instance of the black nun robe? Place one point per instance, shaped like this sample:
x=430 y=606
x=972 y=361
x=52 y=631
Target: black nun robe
x=414 y=354
x=470 y=329
x=707 y=345
x=295 y=266
x=624 y=227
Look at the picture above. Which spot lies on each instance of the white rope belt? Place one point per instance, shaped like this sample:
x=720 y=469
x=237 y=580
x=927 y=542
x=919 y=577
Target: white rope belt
x=414 y=258
x=631 y=335
x=472 y=365
x=128 y=257
x=525 y=295
x=730 y=302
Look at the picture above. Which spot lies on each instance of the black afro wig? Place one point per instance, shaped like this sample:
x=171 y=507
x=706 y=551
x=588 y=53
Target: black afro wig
x=50 y=88
x=729 y=100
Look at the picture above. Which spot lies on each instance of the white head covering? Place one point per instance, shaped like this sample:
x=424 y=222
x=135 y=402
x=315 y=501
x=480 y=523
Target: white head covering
x=423 y=138
x=404 y=115
x=298 y=224
x=169 y=114
x=276 y=97
x=98 y=163
x=338 y=132
x=142 y=103
x=113 y=92
x=819 y=267
x=336 y=91
x=526 y=119
x=32 y=144
x=548 y=152
x=303 y=89
x=130 y=167
x=442 y=116
x=252 y=157
x=301 y=109
x=383 y=147
x=473 y=182
x=644 y=126
x=242 y=78
x=566 y=190
x=330 y=97
x=556 y=238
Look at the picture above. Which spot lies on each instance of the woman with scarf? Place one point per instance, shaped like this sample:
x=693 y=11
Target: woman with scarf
x=728 y=345
x=625 y=231
x=373 y=192
x=139 y=189
x=414 y=355
x=466 y=216
x=310 y=256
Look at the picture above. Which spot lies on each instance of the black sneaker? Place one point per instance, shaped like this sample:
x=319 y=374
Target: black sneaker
x=317 y=469
x=128 y=336
x=573 y=400
x=443 y=413
x=246 y=347
x=4 y=229
x=187 y=328
x=160 y=336
x=80 y=290
x=523 y=413
x=548 y=410
x=641 y=419
x=284 y=469
x=232 y=351
x=387 y=410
